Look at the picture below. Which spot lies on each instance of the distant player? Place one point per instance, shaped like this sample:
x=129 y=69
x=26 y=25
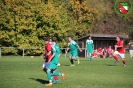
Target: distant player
x=131 y=49
x=100 y=52
x=109 y=52
x=89 y=48
x=73 y=51
x=53 y=61
x=119 y=50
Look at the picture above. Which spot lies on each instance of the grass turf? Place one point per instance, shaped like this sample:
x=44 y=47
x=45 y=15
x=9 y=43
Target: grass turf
x=19 y=72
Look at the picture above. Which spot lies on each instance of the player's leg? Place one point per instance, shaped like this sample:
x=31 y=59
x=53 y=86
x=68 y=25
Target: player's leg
x=74 y=56
x=70 y=58
x=115 y=56
x=122 y=58
x=59 y=74
x=49 y=77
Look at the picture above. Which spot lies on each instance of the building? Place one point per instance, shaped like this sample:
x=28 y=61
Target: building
x=100 y=40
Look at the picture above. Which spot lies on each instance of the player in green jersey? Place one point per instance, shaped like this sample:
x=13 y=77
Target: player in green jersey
x=89 y=48
x=72 y=46
x=53 y=64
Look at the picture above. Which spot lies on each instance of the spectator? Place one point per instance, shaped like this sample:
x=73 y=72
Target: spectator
x=131 y=49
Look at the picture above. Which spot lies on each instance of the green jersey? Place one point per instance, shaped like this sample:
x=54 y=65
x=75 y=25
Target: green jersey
x=89 y=44
x=73 y=46
x=55 y=50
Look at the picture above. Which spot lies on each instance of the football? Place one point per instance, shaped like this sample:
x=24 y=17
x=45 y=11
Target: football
x=58 y=64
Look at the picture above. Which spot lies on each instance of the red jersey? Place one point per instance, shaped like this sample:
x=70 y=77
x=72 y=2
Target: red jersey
x=48 y=48
x=99 y=50
x=109 y=50
x=120 y=50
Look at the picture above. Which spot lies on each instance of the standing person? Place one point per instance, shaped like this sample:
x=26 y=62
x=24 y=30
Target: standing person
x=131 y=49
x=89 y=48
x=119 y=50
x=72 y=46
x=53 y=61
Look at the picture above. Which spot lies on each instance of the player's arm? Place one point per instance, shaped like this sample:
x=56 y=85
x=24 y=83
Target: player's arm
x=79 y=48
x=67 y=50
x=51 y=57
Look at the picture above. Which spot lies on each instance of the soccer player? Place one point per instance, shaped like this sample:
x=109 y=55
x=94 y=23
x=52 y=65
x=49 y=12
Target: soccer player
x=72 y=46
x=53 y=61
x=119 y=50
x=110 y=52
x=131 y=49
x=89 y=48
x=47 y=53
x=100 y=52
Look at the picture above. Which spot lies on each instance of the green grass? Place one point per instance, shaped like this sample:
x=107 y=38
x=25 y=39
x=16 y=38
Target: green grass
x=19 y=72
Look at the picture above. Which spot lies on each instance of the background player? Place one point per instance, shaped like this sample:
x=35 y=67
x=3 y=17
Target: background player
x=72 y=46
x=89 y=48
x=119 y=50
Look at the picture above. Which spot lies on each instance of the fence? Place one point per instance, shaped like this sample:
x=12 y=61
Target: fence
x=80 y=54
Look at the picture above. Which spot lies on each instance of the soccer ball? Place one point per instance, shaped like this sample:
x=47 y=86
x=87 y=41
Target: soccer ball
x=58 y=64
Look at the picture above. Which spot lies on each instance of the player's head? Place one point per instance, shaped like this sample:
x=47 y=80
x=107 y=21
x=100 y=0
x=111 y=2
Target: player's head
x=46 y=39
x=50 y=39
x=54 y=39
x=118 y=38
x=69 y=38
x=89 y=37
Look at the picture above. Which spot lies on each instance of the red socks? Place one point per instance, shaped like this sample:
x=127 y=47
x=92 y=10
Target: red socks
x=124 y=61
x=116 y=58
x=55 y=78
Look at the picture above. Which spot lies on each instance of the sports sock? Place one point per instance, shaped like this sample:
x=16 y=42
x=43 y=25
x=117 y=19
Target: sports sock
x=71 y=61
x=89 y=57
x=56 y=78
x=124 y=61
x=49 y=75
x=57 y=74
x=116 y=58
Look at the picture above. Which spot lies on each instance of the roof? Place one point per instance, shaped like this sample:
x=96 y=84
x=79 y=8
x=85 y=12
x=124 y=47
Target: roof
x=104 y=35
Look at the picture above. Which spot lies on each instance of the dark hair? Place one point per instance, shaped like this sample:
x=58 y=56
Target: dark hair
x=46 y=38
x=54 y=39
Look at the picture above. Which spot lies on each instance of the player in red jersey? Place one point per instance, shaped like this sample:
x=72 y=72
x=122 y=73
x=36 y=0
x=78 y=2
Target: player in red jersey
x=109 y=52
x=100 y=52
x=119 y=50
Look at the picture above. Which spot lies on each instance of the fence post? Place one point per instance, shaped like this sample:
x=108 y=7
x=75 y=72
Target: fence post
x=0 y=52
x=85 y=53
x=23 y=52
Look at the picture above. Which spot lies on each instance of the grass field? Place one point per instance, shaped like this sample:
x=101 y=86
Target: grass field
x=19 y=72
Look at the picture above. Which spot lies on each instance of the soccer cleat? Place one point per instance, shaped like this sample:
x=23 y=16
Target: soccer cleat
x=49 y=84
x=63 y=76
x=78 y=61
x=124 y=65
x=72 y=65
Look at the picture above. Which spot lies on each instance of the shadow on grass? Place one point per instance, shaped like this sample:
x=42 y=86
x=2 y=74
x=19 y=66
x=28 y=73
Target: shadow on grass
x=110 y=64
x=40 y=80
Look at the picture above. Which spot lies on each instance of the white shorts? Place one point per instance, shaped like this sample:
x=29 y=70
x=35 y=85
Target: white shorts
x=121 y=55
x=131 y=52
x=45 y=65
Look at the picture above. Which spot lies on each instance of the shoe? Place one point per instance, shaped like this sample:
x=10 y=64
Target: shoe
x=116 y=61
x=72 y=65
x=124 y=65
x=56 y=81
x=49 y=84
x=63 y=76
x=78 y=61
